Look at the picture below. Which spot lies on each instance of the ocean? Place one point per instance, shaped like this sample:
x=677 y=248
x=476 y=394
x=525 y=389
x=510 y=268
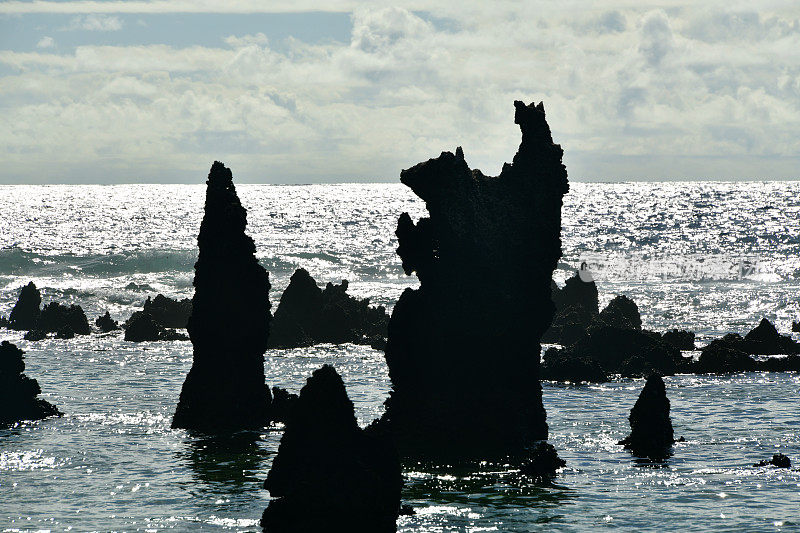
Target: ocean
x=712 y=257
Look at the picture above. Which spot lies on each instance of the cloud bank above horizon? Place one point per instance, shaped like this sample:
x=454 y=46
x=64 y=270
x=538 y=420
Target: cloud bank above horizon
x=301 y=92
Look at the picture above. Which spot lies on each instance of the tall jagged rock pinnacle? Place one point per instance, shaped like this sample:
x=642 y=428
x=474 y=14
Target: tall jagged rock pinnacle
x=229 y=325
x=463 y=349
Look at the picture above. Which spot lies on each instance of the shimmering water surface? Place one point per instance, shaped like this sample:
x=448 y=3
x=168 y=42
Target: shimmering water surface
x=711 y=257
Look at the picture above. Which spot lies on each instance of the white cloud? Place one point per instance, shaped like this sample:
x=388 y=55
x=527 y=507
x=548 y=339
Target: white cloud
x=46 y=42
x=95 y=22
x=630 y=92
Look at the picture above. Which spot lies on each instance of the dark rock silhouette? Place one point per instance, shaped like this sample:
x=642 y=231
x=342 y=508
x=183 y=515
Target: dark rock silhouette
x=65 y=332
x=307 y=315
x=724 y=356
x=796 y=327
x=764 y=339
x=225 y=388
x=141 y=326
x=622 y=313
x=26 y=311
x=651 y=428
x=283 y=404
x=680 y=339
x=560 y=365
x=542 y=463
x=56 y=317
x=35 y=335
x=463 y=349
x=18 y=392
x=106 y=323
x=576 y=307
x=168 y=312
x=329 y=474
x=778 y=460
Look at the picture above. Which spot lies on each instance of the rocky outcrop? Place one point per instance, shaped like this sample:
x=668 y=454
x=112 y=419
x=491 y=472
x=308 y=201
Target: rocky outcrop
x=621 y=313
x=724 y=356
x=26 y=311
x=225 y=388
x=796 y=327
x=18 y=392
x=35 y=335
x=307 y=315
x=542 y=463
x=576 y=308
x=651 y=427
x=778 y=460
x=764 y=339
x=463 y=349
x=141 y=327
x=58 y=318
x=283 y=405
x=167 y=312
x=329 y=474
x=680 y=339
x=106 y=323
x=561 y=365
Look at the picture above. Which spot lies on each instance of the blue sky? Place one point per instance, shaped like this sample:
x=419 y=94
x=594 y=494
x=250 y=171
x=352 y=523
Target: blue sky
x=301 y=92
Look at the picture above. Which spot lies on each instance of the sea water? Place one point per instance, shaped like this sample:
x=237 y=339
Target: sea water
x=710 y=257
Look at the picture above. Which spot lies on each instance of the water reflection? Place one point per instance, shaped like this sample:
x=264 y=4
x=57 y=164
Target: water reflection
x=231 y=463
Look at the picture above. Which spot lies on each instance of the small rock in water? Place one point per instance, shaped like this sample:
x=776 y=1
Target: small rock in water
x=796 y=327
x=168 y=312
x=779 y=460
x=18 y=392
x=35 y=335
x=106 y=323
x=329 y=474
x=651 y=428
x=142 y=327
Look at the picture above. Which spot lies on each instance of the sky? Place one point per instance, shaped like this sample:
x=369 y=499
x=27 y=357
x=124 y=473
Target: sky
x=340 y=91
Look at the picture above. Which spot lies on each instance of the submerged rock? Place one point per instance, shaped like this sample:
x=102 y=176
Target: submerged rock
x=225 y=389
x=56 y=317
x=651 y=428
x=168 y=312
x=778 y=460
x=141 y=327
x=463 y=349
x=307 y=315
x=18 y=392
x=329 y=474
x=106 y=323
x=26 y=311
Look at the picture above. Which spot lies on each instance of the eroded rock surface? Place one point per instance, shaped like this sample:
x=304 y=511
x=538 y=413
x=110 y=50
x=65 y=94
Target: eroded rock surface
x=329 y=474
x=229 y=326
x=18 y=392
x=463 y=349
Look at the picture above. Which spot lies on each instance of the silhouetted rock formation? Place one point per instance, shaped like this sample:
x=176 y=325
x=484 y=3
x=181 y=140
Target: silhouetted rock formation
x=576 y=307
x=329 y=474
x=680 y=339
x=651 y=428
x=229 y=326
x=622 y=313
x=723 y=356
x=106 y=323
x=56 y=318
x=283 y=404
x=18 y=392
x=559 y=365
x=463 y=349
x=307 y=315
x=764 y=339
x=796 y=327
x=542 y=463
x=168 y=312
x=26 y=311
x=778 y=460
x=35 y=335
x=142 y=327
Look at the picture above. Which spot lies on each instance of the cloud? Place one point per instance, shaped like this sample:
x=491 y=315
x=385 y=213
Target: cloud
x=46 y=42
x=95 y=22
x=631 y=92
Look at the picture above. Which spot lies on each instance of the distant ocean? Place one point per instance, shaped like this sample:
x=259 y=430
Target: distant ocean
x=710 y=257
